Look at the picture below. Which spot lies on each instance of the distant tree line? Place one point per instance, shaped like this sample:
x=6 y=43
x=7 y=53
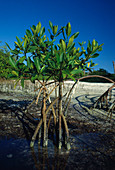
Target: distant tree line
x=5 y=67
x=101 y=72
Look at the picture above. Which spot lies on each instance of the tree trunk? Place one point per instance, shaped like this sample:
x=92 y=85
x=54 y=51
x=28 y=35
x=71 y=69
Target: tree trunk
x=60 y=109
x=56 y=101
x=44 y=118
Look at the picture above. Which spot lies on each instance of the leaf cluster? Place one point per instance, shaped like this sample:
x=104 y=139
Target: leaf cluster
x=36 y=56
x=5 y=67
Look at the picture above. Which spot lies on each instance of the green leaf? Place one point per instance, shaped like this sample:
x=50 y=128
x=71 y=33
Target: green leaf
x=51 y=25
x=28 y=62
x=95 y=55
x=76 y=71
x=32 y=30
x=96 y=44
x=93 y=43
x=42 y=69
x=47 y=57
x=71 y=77
x=101 y=45
x=49 y=31
x=15 y=73
x=19 y=42
x=28 y=33
x=55 y=28
x=61 y=57
x=33 y=78
x=100 y=49
x=37 y=63
x=58 y=33
x=76 y=34
x=63 y=34
x=95 y=64
x=25 y=42
x=70 y=41
x=22 y=82
x=88 y=50
x=68 y=29
x=57 y=58
x=32 y=65
x=12 y=62
x=71 y=47
x=42 y=31
x=80 y=43
x=21 y=66
x=71 y=62
x=8 y=46
x=38 y=27
x=89 y=45
x=21 y=60
x=32 y=48
x=63 y=45
x=64 y=75
x=34 y=27
x=10 y=75
x=67 y=72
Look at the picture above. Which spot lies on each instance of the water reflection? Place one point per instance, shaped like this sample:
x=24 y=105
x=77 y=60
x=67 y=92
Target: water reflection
x=88 y=151
x=49 y=158
x=16 y=154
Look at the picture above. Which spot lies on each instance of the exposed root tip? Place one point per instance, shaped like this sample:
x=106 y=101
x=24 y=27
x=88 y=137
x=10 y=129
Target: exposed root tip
x=31 y=144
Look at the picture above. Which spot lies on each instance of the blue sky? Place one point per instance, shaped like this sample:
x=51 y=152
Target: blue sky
x=94 y=19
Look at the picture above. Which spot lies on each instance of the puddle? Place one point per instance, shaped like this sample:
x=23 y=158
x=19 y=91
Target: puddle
x=16 y=154
x=84 y=154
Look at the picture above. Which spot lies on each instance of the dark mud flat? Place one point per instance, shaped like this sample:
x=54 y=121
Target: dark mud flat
x=92 y=139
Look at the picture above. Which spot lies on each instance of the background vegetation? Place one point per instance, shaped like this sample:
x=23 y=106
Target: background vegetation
x=101 y=72
x=5 y=67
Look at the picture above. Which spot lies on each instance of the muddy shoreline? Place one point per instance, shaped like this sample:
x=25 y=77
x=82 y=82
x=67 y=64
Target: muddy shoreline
x=92 y=137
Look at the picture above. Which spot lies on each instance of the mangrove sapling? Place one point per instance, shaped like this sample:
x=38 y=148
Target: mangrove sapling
x=103 y=99
x=104 y=96
x=111 y=109
x=37 y=57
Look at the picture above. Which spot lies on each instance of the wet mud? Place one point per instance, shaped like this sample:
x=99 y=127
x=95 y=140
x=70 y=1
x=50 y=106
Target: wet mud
x=92 y=138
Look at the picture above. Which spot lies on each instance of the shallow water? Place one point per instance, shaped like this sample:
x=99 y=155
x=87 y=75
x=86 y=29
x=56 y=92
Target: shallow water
x=16 y=154
x=84 y=154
